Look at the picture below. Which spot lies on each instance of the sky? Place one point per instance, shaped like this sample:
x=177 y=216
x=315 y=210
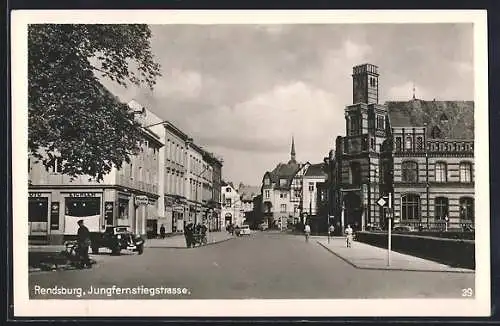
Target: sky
x=243 y=91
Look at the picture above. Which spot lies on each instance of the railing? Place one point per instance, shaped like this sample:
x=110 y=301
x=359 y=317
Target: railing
x=438 y=226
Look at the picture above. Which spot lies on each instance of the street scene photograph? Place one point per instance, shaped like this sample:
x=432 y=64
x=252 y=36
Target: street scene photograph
x=252 y=161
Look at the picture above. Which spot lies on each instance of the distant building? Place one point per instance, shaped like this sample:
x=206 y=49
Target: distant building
x=420 y=151
x=247 y=195
x=281 y=205
x=232 y=207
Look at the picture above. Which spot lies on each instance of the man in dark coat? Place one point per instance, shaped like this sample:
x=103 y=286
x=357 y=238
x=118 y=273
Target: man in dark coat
x=83 y=237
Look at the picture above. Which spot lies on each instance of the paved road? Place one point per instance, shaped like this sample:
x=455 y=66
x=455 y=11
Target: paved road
x=264 y=265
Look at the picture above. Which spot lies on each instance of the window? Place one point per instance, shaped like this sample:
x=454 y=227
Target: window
x=282 y=182
x=408 y=143
x=467 y=208
x=228 y=202
x=380 y=122
x=355 y=173
x=283 y=208
x=38 y=209
x=266 y=193
x=297 y=193
x=311 y=186
x=56 y=165
x=398 y=144
x=440 y=208
x=441 y=172
x=420 y=143
x=81 y=207
x=409 y=171
x=346 y=145
x=372 y=143
x=410 y=207
x=267 y=182
x=228 y=189
x=465 y=172
x=354 y=125
x=283 y=195
x=443 y=118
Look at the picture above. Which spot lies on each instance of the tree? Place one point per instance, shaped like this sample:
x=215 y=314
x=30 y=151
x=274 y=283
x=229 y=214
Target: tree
x=73 y=119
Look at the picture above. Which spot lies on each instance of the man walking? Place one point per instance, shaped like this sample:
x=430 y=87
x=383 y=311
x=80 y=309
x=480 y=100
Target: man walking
x=83 y=238
x=162 y=232
x=331 y=229
x=307 y=231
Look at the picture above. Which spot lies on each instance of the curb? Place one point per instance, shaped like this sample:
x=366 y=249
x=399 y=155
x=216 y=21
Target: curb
x=208 y=244
x=395 y=269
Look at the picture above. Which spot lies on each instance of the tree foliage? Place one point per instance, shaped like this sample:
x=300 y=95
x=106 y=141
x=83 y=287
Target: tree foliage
x=72 y=117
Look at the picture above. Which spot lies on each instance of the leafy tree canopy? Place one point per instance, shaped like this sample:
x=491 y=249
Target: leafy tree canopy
x=71 y=116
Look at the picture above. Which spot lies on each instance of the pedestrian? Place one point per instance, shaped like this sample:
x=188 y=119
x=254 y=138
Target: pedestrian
x=188 y=234
x=307 y=231
x=162 y=232
x=83 y=238
x=331 y=230
x=348 y=233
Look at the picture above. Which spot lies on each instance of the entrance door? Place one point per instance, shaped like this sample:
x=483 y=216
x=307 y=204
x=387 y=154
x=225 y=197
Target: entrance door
x=38 y=213
x=353 y=211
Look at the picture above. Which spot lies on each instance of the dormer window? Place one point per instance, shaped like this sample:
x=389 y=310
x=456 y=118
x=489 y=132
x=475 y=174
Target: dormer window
x=436 y=132
x=267 y=182
x=283 y=182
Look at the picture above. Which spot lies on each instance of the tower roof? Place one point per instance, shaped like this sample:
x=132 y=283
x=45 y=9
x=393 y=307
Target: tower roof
x=292 y=152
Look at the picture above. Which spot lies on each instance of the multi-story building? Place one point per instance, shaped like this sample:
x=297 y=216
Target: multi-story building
x=128 y=196
x=232 y=210
x=197 y=171
x=279 y=208
x=212 y=199
x=175 y=167
x=420 y=151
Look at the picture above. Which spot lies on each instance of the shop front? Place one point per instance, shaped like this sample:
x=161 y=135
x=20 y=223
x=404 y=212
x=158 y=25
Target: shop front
x=38 y=214
x=84 y=206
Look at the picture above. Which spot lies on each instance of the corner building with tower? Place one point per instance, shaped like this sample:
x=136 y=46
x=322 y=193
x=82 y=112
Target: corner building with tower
x=420 y=151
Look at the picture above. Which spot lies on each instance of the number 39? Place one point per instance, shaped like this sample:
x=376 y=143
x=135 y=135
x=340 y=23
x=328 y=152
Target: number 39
x=467 y=292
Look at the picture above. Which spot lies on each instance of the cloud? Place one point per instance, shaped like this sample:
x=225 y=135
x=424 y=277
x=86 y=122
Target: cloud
x=180 y=84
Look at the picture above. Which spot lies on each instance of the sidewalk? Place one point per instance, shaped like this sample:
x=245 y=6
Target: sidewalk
x=179 y=241
x=364 y=256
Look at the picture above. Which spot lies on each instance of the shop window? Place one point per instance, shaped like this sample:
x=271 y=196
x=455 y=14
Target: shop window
x=440 y=208
x=123 y=212
x=409 y=171
x=81 y=207
x=410 y=207
x=38 y=209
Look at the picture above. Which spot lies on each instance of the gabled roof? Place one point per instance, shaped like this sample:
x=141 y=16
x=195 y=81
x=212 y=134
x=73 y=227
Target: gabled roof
x=316 y=170
x=455 y=119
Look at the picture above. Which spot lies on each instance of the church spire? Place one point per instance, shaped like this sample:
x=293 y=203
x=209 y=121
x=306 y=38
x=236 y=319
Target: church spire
x=292 y=152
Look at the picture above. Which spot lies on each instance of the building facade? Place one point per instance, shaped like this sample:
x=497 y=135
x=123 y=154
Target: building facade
x=419 y=151
x=313 y=195
x=213 y=196
x=175 y=167
x=232 y=209
x=128 y=196
x=281 y=205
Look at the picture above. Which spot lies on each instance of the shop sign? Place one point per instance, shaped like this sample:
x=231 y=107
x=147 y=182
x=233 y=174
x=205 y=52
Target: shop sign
x=141 y=200
x=82 y=194
x=54 y=215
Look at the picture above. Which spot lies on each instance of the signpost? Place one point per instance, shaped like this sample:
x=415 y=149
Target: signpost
x=386 y=203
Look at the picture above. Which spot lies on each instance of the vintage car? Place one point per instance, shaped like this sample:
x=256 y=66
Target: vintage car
x=116 y=238
x=245 y=229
